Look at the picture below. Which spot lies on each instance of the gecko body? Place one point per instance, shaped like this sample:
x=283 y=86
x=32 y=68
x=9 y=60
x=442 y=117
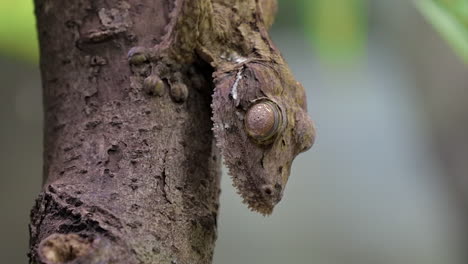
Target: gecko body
x=260 y=118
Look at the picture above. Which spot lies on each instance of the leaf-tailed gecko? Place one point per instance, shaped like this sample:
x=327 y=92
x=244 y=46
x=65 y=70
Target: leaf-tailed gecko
x=260 y=118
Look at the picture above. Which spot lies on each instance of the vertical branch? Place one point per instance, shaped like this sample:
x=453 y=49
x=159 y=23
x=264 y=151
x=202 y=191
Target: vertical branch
x=129 y=176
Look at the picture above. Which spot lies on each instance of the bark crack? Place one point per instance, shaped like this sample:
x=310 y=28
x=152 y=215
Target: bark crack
x=164 y=184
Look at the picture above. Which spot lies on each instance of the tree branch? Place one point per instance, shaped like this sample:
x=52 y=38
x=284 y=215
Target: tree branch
x=127 y=178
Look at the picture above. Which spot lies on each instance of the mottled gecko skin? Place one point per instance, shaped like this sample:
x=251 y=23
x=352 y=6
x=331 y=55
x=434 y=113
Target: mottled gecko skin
x=231 y=35
x=260 y=171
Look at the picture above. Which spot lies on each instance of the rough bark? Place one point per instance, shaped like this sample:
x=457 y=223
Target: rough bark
x=128 y=178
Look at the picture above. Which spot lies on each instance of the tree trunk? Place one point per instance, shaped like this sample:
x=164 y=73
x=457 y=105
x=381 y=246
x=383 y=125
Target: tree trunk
x=129 y=177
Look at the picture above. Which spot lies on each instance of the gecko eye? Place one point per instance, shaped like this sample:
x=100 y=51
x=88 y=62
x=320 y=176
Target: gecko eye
x=263 y=120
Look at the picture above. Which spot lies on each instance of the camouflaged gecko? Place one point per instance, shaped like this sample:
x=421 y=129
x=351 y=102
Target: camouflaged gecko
x=260 y=116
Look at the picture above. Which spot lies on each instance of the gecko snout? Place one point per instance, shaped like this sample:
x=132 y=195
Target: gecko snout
x=272 y=193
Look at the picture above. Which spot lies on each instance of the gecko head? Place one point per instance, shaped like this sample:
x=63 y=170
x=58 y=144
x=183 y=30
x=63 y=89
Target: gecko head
x=281 y=133
x=261 y=131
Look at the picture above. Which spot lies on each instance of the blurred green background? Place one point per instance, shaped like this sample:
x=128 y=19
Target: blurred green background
x=387 y=87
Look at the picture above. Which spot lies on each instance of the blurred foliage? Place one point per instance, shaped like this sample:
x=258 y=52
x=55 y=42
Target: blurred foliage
x=337 y=28
x=450 y=18
x=18 y=37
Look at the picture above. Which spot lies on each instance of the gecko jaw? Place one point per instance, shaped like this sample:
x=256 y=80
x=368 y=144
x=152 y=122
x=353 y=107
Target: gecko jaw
x=255 y=206
x=265 y=211
x=254 y=200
